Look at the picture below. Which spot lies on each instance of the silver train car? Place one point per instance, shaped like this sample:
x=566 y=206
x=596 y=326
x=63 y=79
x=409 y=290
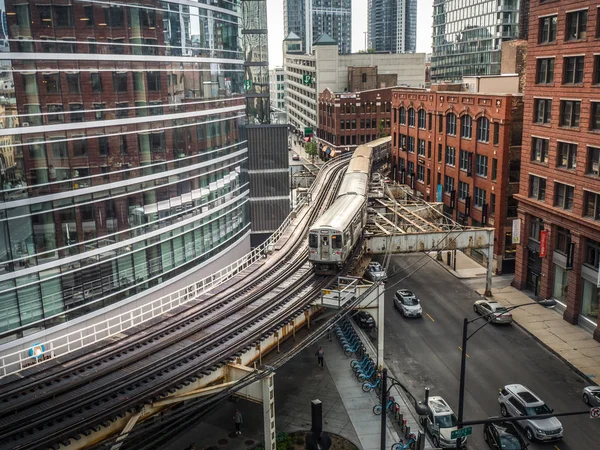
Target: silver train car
x=334 y=235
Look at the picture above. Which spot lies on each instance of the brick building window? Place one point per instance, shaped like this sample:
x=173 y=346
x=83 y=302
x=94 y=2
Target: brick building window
x=395 y=115
x=481 y=165
x=420 y=173
x=591 y=205
x=563 y=196
x=448 y=184
x=547 y=29
x=402 y=114
x=545 y=71
x=73 y=84
x=96 y=83
x=411 y=168
x=430 y=121
x=569 y=113
x=536 y=226
x=99 y=107
x=79 y=146
x=576 y=25
x=411 y=144
x=563 y=237
x=567 y=155
x=421 y=147
x=103 y=147
x=542 y=110
x=450 y=156
x=76 y=112
x=596 y=75
x=113 y=16
x=595 y=116
x=451 y=124
x=539 y=150
x=592 y=253
x=122 y=110
x=496 y=133
x=492 y=204
x=354 y=124
x=464 y=160
x=466 y=127
x=479 y=197
x=593 y=161
x=342 y=124
x=362 y=124
x=463 y=190
x=439 y=153
x=573 y=70
x=55 y=113
x=153 y=79
x=411 y=117
x=422 y=119
x=52 y=82
x=483 y=129
x=537 y=188
x=494 y=169
x=63 y=15
x=120 y=81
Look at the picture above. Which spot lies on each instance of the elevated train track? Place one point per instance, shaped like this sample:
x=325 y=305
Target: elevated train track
x=59 y=405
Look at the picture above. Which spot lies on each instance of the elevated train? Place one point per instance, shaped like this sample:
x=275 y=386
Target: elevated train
x=334 y=235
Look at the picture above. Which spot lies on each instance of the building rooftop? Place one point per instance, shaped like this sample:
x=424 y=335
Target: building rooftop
x=325 y=39
x=292 y=37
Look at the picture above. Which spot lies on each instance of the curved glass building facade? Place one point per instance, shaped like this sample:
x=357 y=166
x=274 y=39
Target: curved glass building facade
x=122 y=152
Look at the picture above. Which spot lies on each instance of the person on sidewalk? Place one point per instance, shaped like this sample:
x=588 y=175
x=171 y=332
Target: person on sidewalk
x=319 y=356
x=239 y=420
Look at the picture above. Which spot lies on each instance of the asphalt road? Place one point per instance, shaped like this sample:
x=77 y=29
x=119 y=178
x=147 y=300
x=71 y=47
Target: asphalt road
x=425 y=353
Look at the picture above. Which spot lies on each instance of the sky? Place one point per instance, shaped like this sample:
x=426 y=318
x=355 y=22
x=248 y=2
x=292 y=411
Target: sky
x=359 y=26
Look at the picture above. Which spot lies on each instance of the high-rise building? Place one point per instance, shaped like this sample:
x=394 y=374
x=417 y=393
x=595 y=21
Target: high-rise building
x=309 y=19
x=393 y=26
x=468 y=36
x=558 y=254
x=125 y=164
x=277 y=90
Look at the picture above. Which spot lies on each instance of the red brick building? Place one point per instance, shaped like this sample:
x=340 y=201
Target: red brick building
x=350 y=119
x=461 y=149
x=559 y=197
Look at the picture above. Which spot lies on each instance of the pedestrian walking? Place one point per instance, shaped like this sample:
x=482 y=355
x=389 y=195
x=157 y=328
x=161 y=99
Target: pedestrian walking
x=319 y=356
x=239 y=420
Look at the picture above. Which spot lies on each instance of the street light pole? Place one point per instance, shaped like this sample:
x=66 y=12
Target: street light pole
x=383 y=405
x=548 y=303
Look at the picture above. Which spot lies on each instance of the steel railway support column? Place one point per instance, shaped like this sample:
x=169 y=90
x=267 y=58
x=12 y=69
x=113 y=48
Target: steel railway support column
x=380 y=320
x=490 y=266
x=268 y=401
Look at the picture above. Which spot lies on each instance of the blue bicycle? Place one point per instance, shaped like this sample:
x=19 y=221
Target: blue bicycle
x=412 y=439
x=367 y=386
x=391 y=406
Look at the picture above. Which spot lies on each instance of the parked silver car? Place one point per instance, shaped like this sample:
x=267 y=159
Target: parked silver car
x=498 y=313
x=517 y=400
x=441 y=422
x=591 y=395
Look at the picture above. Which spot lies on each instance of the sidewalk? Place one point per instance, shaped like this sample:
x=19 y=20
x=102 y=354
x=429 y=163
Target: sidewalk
x=571 y=343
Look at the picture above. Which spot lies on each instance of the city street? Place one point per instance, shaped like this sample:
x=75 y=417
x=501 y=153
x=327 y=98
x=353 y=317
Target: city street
x=425 y=353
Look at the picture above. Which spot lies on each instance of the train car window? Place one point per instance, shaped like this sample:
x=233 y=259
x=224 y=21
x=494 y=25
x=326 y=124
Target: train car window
x=313 y=241
x=336 y=241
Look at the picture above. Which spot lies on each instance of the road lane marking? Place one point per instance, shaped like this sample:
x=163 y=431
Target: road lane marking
x=430 y=317
x=556 y=447
x=460 y=348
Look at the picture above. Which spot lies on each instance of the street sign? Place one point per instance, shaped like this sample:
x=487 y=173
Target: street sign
x=247 y=85
x=595 y=413
x=308 y=131
x=463 y=432
x=307 y=79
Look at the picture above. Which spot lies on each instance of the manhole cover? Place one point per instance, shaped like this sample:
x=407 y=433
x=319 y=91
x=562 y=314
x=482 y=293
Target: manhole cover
x=222 y=442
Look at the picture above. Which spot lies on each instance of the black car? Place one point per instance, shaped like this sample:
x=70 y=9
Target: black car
x=503 y=436
x=364 y=320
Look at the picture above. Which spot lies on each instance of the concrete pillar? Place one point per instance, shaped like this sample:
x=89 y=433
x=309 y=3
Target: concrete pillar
x=490 y=266
x=547 y=264
x=520 y=280
x=573 y=309
x=268 y=402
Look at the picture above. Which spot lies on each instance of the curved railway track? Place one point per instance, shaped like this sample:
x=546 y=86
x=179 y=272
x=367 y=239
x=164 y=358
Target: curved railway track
x=74 y=397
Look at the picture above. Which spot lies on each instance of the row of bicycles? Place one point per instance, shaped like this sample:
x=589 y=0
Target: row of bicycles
x=365 y=370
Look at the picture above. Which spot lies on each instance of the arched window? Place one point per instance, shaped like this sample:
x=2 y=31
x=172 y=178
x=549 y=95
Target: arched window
x=402 y=116
x=466 y=127
x=364 y=77
x=411 y=117
x=483 y=129
x=422 y=119
x=451 y=124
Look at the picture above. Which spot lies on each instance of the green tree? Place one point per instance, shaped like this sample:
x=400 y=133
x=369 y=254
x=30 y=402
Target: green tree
x=311 y=149
x=382 y=132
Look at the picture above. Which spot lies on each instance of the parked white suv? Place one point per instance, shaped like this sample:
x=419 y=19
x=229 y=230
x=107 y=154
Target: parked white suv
x=441 y=422
x=517 y=400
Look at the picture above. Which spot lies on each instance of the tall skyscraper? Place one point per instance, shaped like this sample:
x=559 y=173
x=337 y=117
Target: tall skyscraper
x=124 y=163
x=393 y=26
x=309 y=19
x=468 y=36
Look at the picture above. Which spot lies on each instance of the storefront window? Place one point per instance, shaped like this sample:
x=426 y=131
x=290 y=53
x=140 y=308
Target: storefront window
x=561 y=283
x=589 y=300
